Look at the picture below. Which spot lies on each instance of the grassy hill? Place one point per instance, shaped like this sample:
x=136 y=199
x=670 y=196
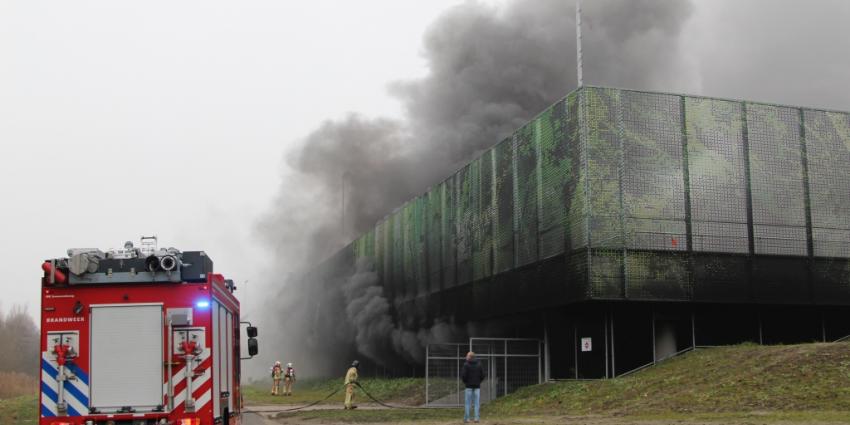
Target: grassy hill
x=744 y=378
x=744 y=384
x=739 y=384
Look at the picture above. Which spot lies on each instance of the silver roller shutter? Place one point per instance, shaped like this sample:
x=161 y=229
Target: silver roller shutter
x=126 y=357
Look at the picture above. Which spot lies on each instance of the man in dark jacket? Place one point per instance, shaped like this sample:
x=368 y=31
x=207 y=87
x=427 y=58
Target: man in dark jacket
x=472 y=375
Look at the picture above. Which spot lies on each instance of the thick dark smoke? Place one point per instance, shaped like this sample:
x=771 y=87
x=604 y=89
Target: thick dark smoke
x=490 y=70
x=375 y=332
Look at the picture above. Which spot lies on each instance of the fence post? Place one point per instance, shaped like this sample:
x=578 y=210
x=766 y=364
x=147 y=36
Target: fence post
x=654 y=354
x=427 y=373
x=547 y=374
x=613 y=350
x=539 y=365
x=575 y=346
x=506 y=367
x=457 y=372
x=605 y=320
x=693 y=330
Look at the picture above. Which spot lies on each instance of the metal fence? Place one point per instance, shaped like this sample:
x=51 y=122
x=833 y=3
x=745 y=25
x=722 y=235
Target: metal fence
x=509 y=364
x=443 y=362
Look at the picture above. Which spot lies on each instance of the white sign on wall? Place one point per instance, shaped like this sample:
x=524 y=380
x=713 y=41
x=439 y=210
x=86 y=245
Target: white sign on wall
x=586 y=344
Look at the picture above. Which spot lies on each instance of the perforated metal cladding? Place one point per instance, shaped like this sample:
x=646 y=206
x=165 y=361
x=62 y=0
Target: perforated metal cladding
x=483 y=221
x=831 y=277
x=420 y=259
x=399 y=289
x=489 y=206
x=433 y=237
x=525 y=196
x=369 y=248
x=828 y=152
x=477 y=260
x=619 y=168
x=449 y=229
x=579 y=211
x=776 y=179
x=718 y=186
x=605 y=274
x=654 y=276
x=409 y=250
x=503 y=232
x=381 y=251
x=604 y=164
x=653 y=184
x=364 y=246
x=387 y=250
x=555 y=177
x=463 y=219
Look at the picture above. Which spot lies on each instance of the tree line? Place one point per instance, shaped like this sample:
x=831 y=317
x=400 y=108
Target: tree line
x=19 y=339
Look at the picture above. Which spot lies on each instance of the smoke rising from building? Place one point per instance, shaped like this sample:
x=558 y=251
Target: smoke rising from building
x=489 y=71
x=375 y=332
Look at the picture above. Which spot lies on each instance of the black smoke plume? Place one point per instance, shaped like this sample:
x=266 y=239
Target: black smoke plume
x=490 y=70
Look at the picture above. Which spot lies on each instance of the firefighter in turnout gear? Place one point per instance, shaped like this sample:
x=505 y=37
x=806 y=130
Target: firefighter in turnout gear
x=350 y=382
x=277 y=373
x=288 y=379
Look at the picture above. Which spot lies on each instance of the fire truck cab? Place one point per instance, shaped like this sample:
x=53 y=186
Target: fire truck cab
x=141 y=336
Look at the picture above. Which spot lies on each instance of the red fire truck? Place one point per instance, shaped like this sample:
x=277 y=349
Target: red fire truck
x=141 y=336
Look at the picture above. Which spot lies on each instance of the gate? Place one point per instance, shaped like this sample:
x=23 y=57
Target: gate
x=509 y=363
x=442 y=374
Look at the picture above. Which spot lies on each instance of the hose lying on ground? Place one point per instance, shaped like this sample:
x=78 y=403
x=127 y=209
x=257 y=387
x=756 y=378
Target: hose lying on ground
x=304 y=406
x=389 y=406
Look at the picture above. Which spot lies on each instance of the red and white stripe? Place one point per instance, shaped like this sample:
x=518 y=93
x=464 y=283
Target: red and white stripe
x=201 y=385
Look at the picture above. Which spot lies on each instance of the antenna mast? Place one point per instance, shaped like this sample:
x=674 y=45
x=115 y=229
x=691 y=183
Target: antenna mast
x=578 y=45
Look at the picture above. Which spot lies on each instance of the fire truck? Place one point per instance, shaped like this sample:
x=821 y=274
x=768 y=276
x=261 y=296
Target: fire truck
x=140 y=335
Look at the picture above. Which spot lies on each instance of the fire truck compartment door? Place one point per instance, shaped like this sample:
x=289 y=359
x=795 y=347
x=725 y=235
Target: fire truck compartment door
x=126 y=357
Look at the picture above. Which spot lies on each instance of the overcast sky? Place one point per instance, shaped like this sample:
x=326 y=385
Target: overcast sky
x=122 y=119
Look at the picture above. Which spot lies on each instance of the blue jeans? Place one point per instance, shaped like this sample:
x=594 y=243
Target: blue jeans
x=473 y=396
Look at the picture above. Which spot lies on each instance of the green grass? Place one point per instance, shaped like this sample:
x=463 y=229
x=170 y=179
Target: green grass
x=444 y=416
x=740 y=384
x=19 y=410
x=744 y=378
x=409 y=391
x=807 y=417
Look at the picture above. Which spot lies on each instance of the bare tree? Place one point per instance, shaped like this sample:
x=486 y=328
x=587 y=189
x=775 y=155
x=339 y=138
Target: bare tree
x=19 y=336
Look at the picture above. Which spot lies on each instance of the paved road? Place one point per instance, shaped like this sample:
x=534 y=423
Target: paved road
x=274 y=408
x=254 y=419
x=258 y=415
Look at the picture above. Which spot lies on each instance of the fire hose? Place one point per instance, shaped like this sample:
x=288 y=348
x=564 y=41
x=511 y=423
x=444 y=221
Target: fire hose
x=306 y=405
x=389 y=406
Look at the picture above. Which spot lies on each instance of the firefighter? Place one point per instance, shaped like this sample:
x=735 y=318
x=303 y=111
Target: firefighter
x=288 y=379
x=277 y=371
x=350 y=382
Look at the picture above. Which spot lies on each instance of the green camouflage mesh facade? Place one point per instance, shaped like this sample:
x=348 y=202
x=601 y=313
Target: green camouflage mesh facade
x=617 y=194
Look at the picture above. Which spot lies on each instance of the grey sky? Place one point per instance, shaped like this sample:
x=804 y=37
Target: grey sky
x=119 y=119
x=170 y=118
